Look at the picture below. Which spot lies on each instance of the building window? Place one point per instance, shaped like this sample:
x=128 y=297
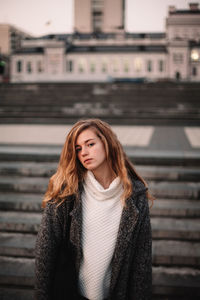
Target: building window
x=104 y=67
x=97 y=14
x=40 y=66
x=29 y=67
x=82 y=64
x=194 y=71
x=177 y=57
x=97 y=4
x=69 y=65
x=81 y=67
x=161 y=65
x=138 y=64
x=19 y=66
x=115 y=65
x=126 y=66
x=92 y=67
x=97 y=21
x=149 y=65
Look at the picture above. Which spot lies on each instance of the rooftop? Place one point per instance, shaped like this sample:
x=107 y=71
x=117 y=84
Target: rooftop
x=117 y=48
x=193 y=9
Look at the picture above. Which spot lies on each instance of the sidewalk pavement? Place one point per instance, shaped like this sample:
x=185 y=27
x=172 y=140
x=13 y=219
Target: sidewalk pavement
x=174 y=139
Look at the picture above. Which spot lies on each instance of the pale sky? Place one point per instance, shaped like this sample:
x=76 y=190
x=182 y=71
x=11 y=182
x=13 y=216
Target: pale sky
x=39 y=17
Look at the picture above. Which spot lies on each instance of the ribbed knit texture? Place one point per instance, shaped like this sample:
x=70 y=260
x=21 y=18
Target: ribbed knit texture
x=102 y=210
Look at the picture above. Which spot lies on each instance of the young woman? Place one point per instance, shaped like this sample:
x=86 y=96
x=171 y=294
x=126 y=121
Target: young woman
x=95 y=237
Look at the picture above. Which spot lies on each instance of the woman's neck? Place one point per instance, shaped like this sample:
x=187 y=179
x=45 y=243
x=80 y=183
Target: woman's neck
x=104 y=177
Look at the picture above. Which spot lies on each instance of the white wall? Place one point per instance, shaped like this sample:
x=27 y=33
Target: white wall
x=24 y=75
x=178 y=65
x=89 y=67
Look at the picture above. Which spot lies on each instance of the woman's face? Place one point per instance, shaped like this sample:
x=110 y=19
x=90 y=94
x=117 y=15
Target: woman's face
x=90 y=150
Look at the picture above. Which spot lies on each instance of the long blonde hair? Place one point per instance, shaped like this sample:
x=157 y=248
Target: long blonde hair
x=70 y=172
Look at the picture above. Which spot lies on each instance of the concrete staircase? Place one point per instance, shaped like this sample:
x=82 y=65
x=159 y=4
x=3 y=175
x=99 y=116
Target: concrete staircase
x=117 y=103
x=175 y=218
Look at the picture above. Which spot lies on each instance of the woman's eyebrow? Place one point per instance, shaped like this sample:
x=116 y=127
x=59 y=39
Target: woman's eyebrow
x=86 y=141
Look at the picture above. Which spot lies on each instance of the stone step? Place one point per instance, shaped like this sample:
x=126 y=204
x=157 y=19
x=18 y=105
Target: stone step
x=20 y=272
x=21 y=202
x=19 y=222
x=162 y=228
x=176 y=253
x=175 y=229
x=9 y=100
x=176 y=208
x=120 y=112
x=23 y=184
x=32 y=169
x=17 y=271
x=163 y=252
x=175 y=190
x=161 y=207
x=17 y=244
x=46 y=153
x=30 y=153
x=16 y=108
x=46 y=169
x=132 y=95
x=10 y=293
x=176 y=282
x=163 y=157
x=177 y=173
x=114 y=120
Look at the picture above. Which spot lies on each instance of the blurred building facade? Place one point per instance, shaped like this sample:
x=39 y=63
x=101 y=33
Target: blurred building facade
x=183 y=37
x=10 y=41
x=101 y=50
x=11 y=38
x=97 y=16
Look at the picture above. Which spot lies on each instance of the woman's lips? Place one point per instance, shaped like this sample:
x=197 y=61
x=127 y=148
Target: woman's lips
x=87 y=161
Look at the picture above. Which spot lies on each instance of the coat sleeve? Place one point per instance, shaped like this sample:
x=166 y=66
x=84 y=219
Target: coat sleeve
x=141 y=268
x=46 y=249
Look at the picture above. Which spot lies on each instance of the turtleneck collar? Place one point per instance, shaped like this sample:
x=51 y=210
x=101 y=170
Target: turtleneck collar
x=95 y=189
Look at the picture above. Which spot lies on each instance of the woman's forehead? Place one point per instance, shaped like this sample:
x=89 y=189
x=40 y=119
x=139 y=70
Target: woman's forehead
x=86 y=135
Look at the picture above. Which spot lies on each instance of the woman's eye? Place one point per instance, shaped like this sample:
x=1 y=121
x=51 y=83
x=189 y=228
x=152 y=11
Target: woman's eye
x=90 y=145
x=78 y=149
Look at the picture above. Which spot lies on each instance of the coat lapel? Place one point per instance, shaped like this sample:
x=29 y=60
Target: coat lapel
x=127 y=225
x=75 y=231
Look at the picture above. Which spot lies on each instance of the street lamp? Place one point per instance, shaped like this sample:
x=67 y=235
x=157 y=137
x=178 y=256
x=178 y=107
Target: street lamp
x=195 y=55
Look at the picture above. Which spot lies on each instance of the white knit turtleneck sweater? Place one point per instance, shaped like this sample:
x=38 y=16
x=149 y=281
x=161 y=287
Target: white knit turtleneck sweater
x=102 y=210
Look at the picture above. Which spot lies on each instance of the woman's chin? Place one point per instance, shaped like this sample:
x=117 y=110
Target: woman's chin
x=90 y=167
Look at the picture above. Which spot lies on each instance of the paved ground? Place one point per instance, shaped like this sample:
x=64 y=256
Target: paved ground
x=153 y=138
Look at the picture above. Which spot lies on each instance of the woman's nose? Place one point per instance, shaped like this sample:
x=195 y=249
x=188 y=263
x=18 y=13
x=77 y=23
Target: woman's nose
x=84 y=151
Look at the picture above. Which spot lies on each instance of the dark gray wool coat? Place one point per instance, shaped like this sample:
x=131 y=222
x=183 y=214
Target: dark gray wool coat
x=58 y=251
